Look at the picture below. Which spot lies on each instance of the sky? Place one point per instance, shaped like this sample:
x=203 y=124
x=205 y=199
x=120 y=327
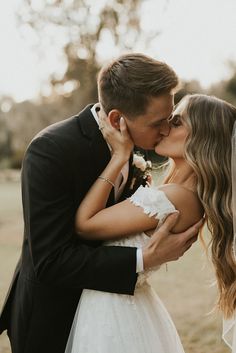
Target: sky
x=197 y=38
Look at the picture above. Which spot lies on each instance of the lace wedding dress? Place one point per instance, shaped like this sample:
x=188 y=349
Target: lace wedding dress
x=107 y=322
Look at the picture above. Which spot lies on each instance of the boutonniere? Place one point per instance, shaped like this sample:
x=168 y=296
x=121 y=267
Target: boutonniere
x=141 y=171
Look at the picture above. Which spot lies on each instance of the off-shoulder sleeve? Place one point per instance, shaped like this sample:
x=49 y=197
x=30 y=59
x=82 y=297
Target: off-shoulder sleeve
x=153 y=201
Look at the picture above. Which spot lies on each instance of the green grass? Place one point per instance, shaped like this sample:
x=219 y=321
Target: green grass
x=184 y=288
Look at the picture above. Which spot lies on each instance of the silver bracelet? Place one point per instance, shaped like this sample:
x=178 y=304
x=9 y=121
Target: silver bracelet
x=107 y=180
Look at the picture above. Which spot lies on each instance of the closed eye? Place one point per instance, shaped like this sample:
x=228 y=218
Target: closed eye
x=158 y=123
x=175 y=120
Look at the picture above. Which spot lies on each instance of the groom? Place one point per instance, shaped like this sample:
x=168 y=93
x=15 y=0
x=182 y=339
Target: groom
x=60 y=165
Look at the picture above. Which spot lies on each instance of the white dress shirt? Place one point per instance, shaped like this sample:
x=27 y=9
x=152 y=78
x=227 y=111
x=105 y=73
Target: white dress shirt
x=119 y=187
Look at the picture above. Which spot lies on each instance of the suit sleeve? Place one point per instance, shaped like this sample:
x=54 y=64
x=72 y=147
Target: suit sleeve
x=60 y=258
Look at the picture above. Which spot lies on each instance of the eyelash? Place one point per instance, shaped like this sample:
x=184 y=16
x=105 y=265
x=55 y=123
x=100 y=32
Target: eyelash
x=175 y=122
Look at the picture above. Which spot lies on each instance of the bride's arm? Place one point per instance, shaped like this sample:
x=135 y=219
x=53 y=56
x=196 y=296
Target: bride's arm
x=93 y=220
x=113 y=222
x=125 y=218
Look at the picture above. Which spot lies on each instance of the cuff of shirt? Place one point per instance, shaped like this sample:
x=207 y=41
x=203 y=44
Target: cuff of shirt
x=139 y=261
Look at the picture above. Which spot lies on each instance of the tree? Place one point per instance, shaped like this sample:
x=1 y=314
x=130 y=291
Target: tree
x=226 y=89
x=83 y=26
x=188 y=87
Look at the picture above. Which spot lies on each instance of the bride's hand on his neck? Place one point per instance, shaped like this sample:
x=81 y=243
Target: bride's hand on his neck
x=118 y=139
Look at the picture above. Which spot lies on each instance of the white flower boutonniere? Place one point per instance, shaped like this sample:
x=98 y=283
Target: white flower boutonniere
x=141 y=171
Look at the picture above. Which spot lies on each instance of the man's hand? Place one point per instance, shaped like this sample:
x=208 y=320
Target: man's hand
x=165 y=246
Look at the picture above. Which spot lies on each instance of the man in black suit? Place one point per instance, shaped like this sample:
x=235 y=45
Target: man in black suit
x=60 y=165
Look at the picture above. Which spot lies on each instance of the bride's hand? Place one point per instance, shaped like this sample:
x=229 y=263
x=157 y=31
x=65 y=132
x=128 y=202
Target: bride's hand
x=119 y=140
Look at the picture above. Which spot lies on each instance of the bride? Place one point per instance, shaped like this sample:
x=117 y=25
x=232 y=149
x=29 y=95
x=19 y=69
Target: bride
x=199 y=181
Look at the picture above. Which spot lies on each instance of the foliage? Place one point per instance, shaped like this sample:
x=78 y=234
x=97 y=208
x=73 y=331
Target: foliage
x=188 y=87
x=83 y=26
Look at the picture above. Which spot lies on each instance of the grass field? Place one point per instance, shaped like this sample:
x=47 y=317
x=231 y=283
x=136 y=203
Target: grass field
x=185 y=288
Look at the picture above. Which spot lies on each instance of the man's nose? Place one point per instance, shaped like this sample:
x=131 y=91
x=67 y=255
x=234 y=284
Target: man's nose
x=165 y=128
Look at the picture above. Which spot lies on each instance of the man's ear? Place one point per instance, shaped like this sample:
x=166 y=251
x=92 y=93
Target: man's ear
x=114 y=116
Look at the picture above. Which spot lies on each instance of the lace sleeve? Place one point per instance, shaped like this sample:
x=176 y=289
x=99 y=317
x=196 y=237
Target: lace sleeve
x=154 y=202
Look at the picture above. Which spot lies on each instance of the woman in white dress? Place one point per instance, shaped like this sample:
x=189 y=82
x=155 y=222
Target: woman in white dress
x=199 y=146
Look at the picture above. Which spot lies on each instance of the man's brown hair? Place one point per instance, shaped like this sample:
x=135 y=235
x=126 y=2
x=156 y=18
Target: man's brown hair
x=128 y=82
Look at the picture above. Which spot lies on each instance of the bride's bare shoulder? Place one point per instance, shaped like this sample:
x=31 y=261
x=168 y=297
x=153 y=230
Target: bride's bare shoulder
x=186 y=201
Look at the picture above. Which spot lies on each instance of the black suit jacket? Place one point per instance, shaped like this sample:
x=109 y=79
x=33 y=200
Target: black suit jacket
x=60 y=165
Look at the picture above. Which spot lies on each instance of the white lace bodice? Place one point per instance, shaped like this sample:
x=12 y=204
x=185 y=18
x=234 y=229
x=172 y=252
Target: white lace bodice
x=154 y=202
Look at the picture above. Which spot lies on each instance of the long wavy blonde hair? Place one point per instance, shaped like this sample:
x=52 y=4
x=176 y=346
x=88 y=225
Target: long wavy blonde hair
x=208 y=150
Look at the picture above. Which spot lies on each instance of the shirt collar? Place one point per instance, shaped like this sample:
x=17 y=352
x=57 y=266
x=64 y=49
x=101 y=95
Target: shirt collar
x=95 y=108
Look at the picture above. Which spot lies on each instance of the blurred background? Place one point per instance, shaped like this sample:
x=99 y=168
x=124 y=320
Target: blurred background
x=51 y=51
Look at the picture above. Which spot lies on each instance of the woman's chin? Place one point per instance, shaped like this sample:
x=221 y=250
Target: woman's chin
x=161 y=152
